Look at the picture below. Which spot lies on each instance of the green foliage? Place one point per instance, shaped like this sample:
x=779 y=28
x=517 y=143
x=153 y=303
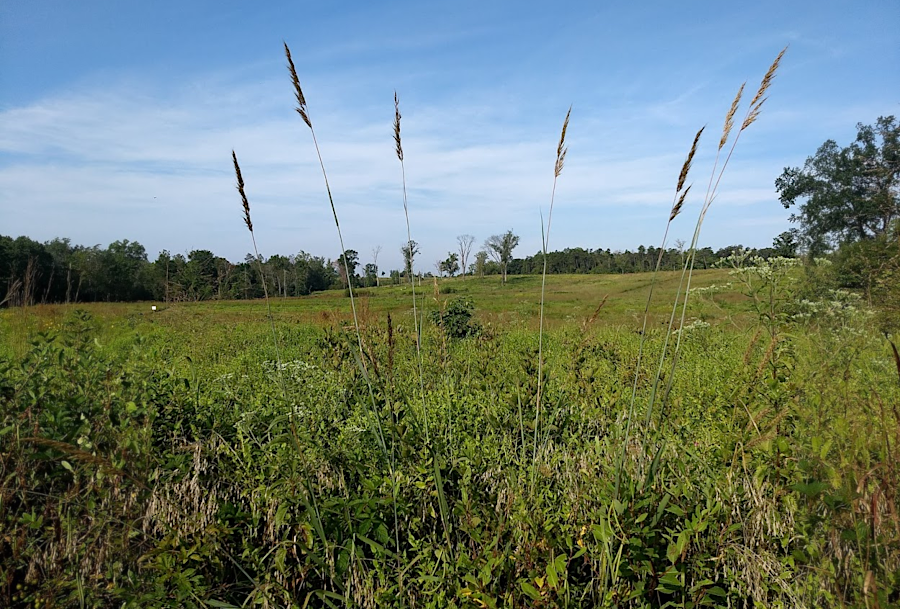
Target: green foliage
x=873 y=266
x=456 y=319
x=153 y=461
x=501 y=248
x=849 y=194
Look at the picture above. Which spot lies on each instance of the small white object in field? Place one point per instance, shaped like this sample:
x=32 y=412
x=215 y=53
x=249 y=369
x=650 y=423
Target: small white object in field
x=152 y=307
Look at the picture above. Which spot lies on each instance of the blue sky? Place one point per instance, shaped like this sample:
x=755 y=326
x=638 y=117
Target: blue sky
x=117 y=118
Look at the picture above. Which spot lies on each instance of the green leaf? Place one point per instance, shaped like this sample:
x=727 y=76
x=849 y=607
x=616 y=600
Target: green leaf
x=670 y=582
x=374 y=545
x=552 y=576
x=66 y=465
x=812 y=489
x=716 y=591
x=530 y=590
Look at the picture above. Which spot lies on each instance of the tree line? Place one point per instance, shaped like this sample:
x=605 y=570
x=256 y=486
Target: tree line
x=58 y=271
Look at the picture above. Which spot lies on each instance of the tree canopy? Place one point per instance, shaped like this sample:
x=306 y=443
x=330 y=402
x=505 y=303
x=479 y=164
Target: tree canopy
x=843 y=195
x=501 y=247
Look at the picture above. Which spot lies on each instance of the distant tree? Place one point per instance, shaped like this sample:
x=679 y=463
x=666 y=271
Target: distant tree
x=480 y=262
x=500 y=247
x=346 y=265
x=375 y=251
x=371 y=273
x=787 y=243
x=847 y=194
x=465 y=248
x=122 y=270
x=409 y=251
x=200 y=276
x=451 y=264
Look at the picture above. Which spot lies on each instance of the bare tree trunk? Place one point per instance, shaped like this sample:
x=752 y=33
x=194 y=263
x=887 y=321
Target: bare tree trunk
x=30 y=281
x=49 y=285
x=69 y=283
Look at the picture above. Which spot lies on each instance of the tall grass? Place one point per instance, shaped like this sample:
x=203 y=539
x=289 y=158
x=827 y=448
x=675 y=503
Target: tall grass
x=417 y=326
x=561 y=150
x=683 y=292
x=753 y=111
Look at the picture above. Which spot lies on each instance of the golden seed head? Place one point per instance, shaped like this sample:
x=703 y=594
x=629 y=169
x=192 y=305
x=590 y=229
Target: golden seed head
x=561 y=149
x=729 y=118
x=760 y=98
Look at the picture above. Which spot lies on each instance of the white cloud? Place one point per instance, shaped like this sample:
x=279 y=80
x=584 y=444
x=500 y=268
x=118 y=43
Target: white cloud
x=99 y=165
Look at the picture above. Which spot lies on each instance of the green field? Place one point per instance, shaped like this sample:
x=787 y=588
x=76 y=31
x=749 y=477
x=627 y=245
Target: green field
x=200 y=456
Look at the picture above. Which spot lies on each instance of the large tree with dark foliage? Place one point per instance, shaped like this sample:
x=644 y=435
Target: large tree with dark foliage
x=844 y=195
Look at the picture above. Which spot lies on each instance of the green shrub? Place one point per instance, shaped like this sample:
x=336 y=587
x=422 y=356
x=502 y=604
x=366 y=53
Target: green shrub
x=456 y=319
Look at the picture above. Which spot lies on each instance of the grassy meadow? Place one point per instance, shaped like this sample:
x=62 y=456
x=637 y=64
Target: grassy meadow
x=477 y=444
x=200 y=456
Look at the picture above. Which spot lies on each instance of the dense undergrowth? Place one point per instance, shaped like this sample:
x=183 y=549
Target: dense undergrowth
x=183 y=464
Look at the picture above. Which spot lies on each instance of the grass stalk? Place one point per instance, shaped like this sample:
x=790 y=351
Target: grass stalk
x=561 y=150
x=677 y=203
x=398 y=143
x=303 y=110
x=684 y=285
x=438 y=479
x=249 y=223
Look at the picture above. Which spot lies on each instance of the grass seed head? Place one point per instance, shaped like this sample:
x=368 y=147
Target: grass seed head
x=298 y=92
x=686 y=168
x=561 y=149
x=240 y=187
x=759 y=99
x=676 y=209
x=729 y=119
x=397 y=127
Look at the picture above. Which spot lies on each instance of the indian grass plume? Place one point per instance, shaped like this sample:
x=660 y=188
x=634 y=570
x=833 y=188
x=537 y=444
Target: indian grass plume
x=676 y=209
x=729 y=118
x=397 y=142
x=759 y=99
x=751 y=346
x=245 y=203
x=689 y=161
x=682 y=176
x=593 y=317
x=240 y=187
x=896 y=353
x=298 y=92
x=561 y=150
x=682 y=294
x=678 y=203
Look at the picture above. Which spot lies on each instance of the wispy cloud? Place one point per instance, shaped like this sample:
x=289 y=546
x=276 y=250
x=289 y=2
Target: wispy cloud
x=152 y=163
